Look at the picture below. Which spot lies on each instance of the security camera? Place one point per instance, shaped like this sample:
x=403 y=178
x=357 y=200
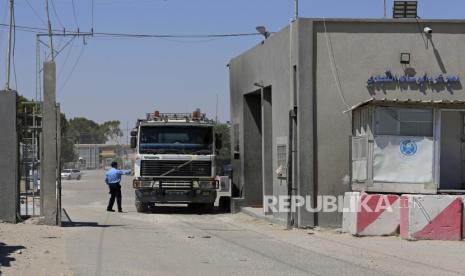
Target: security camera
x=428 y=30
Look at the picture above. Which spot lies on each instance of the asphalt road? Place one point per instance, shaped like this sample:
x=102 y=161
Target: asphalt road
x=177 y=241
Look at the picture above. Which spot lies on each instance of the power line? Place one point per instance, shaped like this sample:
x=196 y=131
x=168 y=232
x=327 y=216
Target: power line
x=134 y=35
x=35 y=12
x=74 y=14
x=4 y=18
x=66 y=58
x=74 y=68
x=129 y=2
x=64 y=46
x=56 y=14
x=92 y=23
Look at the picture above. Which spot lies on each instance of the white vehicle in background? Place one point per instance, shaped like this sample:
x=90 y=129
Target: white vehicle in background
x=69 y=174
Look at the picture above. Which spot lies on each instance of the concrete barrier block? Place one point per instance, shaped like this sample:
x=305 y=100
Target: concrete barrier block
x=431 y=217
x=462 y=197
x=378 y=215
x=349 y=216
x=373 y=214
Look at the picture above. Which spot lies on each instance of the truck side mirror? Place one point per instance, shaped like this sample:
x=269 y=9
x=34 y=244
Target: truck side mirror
x=218 y=141
x=133 y=142
x=134 y=133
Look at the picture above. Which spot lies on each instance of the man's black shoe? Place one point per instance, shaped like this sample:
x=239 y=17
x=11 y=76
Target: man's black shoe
x=120 y=211
x=109 y=210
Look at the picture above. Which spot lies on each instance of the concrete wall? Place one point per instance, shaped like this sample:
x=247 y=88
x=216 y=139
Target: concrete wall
x=266 y=64
x=334 y=60
x=357 y=50
x=9 y=185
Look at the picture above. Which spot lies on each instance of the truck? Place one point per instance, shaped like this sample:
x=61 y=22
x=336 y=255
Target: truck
x=175 y=160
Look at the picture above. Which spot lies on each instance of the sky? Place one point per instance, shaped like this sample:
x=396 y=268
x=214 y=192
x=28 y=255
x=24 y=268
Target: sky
x=123 y=79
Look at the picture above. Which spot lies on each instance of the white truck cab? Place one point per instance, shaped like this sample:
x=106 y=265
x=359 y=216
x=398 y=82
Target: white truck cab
x=175 y=160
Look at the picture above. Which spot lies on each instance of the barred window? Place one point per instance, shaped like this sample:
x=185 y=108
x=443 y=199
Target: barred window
x=404 y=121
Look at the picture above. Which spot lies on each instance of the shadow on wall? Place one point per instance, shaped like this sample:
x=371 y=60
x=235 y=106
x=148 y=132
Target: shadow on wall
x=5 y=254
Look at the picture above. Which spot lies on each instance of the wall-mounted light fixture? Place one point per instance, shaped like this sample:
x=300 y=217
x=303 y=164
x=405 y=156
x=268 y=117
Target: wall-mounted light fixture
x=262 y=30
x=405 y=58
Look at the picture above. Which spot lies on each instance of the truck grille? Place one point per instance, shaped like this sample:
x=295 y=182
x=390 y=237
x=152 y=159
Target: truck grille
x=159 y=167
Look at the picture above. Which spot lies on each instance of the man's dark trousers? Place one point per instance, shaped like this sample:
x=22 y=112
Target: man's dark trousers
x=115 y=192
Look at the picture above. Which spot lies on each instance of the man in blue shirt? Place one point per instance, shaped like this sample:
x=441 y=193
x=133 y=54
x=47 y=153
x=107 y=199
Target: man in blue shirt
x=113 y=180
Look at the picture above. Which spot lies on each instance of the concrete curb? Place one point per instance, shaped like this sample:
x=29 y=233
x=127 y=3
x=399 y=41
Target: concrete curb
x=261 y=216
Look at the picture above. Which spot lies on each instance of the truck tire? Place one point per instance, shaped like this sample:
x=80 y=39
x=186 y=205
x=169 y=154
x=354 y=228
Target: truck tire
x=225 y=204
x=142 y=207
x=208 y=208
x=193 y=206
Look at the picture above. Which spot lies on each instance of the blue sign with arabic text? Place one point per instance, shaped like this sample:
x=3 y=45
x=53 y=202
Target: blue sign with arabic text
x=390 y=78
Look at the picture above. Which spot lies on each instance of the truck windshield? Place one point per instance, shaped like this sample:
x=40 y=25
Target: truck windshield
x=176 y=139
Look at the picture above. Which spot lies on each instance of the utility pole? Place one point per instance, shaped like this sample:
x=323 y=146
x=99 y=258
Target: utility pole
x=50 y=202
x=216 y=113
x=296 y=9
x=49 y=32
x=385 y=9
x=10 y=39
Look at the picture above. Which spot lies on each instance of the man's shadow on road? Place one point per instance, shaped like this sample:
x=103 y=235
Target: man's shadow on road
x=88 y=224
x=68 y=222
x=5 y=254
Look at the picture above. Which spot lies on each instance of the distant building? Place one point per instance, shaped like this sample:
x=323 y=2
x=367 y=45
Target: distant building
x=387 y=90
x=100 y=156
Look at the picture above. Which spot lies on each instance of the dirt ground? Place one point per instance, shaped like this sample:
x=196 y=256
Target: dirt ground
x=178 y=241
x=31 y=249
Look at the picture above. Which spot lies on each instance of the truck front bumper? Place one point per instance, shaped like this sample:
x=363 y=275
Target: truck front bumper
x=157 y=195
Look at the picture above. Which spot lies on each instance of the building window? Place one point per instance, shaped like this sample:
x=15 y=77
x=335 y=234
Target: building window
x=404 y=121
x=281 y=150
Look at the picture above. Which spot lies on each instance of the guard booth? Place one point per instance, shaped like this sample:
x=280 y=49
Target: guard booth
x=408 y=146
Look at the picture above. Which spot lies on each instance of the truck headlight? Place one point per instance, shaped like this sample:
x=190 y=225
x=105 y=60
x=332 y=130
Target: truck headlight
x=195 y=184
x=207 y=185
x=136 y=184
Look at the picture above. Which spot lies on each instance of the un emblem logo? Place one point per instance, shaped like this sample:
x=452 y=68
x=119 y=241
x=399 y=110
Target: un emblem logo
x=408 y=147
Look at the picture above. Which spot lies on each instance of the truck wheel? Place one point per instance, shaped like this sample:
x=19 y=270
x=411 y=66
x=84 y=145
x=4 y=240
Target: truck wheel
x=208 y=207
x=194 y=207
x=142 y=207
x=225 y=204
